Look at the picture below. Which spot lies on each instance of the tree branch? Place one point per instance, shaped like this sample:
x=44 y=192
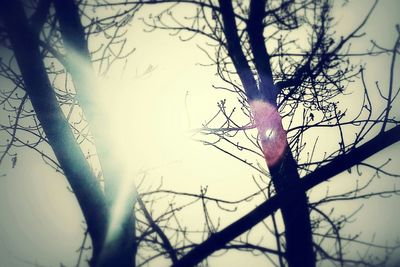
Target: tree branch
x=218 y=240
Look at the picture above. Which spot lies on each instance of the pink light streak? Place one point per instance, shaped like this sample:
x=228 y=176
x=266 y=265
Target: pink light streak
x=270 y=130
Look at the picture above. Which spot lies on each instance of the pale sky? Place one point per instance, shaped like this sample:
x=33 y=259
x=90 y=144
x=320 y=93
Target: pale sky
x=40 y=220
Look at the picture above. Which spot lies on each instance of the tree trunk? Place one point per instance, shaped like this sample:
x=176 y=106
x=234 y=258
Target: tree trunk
x=56 y=127
x=279 y=159
x=108 y=251
x=294 y=207
x=120 y=244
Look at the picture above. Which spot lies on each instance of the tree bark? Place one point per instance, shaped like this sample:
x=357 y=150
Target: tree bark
x=107 y=252
x=120 y=248
x=56 y=127
x=294 y=206
x=279 y=159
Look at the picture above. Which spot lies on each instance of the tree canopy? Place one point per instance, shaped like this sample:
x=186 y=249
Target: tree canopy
x=298 y=110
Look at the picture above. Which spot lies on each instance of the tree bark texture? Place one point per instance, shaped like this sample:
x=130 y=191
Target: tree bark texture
x=279 y=159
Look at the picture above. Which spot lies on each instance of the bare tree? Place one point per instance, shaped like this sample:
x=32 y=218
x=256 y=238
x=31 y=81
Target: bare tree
x=31 y=44
x=287 y=89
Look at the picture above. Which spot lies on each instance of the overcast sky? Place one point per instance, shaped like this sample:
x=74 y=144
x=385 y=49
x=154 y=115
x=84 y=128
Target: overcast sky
x=40 y=221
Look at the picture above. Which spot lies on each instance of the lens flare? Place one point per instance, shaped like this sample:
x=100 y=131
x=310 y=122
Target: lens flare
x=269 y=134
x=106 y=104
x=270 y=130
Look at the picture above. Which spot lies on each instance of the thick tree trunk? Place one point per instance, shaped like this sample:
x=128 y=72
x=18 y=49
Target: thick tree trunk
x=120 y=245
x=108 y=251
x=56 y=127
x=284 y=175
x=294 y=207
x=279 y=159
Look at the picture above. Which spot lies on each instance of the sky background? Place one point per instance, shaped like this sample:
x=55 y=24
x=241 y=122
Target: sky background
x=40 y=221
